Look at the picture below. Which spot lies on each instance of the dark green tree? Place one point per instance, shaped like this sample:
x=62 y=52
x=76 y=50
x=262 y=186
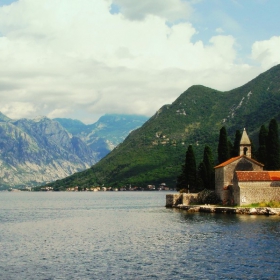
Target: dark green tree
x=201 y=181
x=223 y=147
x=236 y=143
x=190 y=169
x=187 y=179
x=209 y=167
x=181 y=180
x=272 y=148
x=262 y=145
x=230 y=148
x=253 y=151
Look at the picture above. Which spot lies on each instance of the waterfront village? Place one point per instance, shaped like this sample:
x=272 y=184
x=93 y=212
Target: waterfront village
x=160 y=187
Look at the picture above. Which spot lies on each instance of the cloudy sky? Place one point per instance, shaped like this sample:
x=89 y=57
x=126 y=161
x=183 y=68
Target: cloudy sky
x=84 y=58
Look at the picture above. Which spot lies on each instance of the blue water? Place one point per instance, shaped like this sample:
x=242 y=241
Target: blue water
x=130 y=235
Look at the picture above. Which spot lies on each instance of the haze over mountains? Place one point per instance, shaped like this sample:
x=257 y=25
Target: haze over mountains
x=37 y=151
x=155 y=152
x=105 y=134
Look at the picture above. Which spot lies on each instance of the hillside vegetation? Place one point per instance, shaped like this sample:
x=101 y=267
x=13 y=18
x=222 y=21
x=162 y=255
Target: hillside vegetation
x=154 y=153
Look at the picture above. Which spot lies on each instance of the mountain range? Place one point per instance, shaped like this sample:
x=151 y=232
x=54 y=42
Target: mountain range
x=105 y=134
x=33 y=152
x=155 y=152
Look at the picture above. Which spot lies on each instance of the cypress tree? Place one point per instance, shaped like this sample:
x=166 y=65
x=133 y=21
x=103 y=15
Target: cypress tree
x=190 y=169
x=223 y=147
x=235 y=149
x=230 y=148
x=187 y=178
x=253 y=151
x=209 y=167
x=202 y=175
x=273 y=150
x=181 y=180
x=262 y=145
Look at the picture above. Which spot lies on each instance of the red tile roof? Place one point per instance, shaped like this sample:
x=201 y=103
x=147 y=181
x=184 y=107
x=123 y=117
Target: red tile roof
x=227 y=162
x=236 y=158
x=245 y=176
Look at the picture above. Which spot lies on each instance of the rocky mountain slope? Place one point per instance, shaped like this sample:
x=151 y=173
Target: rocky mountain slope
x=154 y=153
x=36 y=151
x=106 y=133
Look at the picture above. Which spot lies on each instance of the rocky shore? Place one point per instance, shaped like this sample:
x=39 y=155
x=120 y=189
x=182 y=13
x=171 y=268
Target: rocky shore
x=229 y=210
x=187 y=202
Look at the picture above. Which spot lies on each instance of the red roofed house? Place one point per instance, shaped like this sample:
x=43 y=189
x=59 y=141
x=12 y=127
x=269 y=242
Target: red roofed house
x=242 y=181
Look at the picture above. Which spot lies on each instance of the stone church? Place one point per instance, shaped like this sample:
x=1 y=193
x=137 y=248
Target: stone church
x=241 y=180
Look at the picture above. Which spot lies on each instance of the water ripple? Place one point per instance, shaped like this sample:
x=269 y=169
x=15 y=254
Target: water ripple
x=130 y=236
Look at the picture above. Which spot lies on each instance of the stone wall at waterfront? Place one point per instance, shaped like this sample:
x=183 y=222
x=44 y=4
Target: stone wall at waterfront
x=189 y=198
x=180 y=198
x=173 y=199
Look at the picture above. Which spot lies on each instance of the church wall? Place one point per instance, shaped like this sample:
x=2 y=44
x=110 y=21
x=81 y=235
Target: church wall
x=228 y=180
x=246 y=165
x=224 y=178
x=219 y=182
x=255 y=192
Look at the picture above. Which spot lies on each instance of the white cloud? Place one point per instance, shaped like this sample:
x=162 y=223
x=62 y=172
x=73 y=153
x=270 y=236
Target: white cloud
x=58 y=113
x=76 y=58
x=267 y=52
x=16 y=110
x=219 y=30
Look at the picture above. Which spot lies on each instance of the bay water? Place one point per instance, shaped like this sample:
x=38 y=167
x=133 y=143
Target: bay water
x=130 y=235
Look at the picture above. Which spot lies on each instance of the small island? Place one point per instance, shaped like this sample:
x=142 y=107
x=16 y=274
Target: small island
x=241 y=187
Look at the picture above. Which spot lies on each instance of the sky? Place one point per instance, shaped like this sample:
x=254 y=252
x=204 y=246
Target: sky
x=83 y=59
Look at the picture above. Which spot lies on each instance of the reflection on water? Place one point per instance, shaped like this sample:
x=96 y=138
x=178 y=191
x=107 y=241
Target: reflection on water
x=130 y=235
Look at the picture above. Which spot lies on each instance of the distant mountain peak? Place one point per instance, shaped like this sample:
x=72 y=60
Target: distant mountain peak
x=39 y=150
x=4 y=117
x=40 y=118
x=105 y=134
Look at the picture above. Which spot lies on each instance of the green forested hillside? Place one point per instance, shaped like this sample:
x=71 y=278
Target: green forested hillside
x=155 y=152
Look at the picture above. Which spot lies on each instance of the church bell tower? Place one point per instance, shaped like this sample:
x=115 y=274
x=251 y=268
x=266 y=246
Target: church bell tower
x=245 y=145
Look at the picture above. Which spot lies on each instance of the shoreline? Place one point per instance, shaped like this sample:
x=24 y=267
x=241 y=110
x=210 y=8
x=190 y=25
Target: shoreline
x=188 y=202
x=228 y=210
